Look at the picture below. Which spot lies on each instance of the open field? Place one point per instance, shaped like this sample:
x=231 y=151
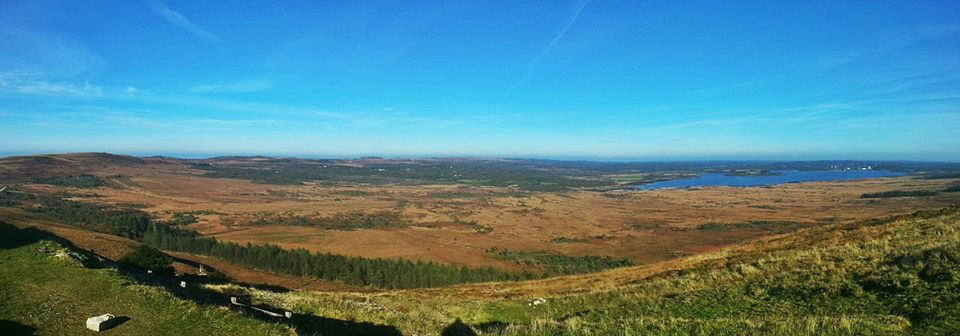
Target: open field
x=804 y=258
x=458 y=223
x=644 y=226
x=895 y=276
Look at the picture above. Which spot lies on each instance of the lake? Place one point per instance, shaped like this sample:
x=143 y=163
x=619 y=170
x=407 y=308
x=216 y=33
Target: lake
x=783 y=176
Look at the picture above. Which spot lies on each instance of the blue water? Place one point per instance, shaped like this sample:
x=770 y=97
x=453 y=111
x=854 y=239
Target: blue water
x=785 y=176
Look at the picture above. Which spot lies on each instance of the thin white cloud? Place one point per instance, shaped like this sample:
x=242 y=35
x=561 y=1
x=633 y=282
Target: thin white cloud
x=106 y=118
x=889 y=41
x=34 y=84
x=181 y=21
x=28 y=52
x=244 y=86
x=48 y=88
x=556 y=38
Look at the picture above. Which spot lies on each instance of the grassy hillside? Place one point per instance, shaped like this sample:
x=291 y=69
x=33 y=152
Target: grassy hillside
x=886 y=277
x=46 y=290
x=894 y=276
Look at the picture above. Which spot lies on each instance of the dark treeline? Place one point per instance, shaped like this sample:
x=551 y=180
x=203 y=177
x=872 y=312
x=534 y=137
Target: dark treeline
x=473 y=174
x=130 y=223
x=899 y=193
x=351 y=270
x=940 y=176
x=149 y=258
x=358 y=271
x=559 y=264
x=761 y=225
x=77 y=181
x=181 y=218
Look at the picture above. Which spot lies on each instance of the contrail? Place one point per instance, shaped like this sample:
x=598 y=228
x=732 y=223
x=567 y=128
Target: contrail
x=566 y=26
x=181 y=21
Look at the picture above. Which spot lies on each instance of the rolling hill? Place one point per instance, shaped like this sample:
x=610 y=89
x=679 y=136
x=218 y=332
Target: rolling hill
x=894 y=276
x=801 y=259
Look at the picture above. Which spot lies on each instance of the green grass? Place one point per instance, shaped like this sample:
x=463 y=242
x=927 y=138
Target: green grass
x=883 y=277
x=50 y=295
x=896 y=276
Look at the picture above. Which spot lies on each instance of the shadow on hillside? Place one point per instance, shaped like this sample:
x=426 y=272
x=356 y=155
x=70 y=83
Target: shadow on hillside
x=14 y=328
x=492 y=327
x=311 y=325
x=458 y=328
x=304 y=324
x=210 y=269
x=12 y=237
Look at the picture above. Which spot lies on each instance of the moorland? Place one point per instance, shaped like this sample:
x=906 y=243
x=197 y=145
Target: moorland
x=413 y=246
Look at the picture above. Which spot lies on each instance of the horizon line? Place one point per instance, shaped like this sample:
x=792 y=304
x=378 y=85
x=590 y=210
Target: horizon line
x=570 y=158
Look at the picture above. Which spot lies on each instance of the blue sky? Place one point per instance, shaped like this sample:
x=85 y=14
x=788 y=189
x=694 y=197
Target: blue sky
x=566 y=79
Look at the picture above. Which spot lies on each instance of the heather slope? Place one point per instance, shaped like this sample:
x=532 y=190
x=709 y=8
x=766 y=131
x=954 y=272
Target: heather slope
x=885 y=277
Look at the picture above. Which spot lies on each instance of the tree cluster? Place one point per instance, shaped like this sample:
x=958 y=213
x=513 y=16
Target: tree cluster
x=130 y=223
x=149 y=258
x=382 y=273
x=76 y=181
x=899 y=193
x=559 y=264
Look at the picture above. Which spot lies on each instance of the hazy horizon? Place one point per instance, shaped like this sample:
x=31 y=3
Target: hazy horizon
x=194 y=156
x=582 y=79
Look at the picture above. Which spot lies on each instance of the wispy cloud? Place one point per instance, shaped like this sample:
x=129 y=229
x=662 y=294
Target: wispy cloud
x=84 y=91
x=889 y=41
x=34 y=84
x=105 y=118
x=27 y=51
x=577 y=8
x=243 y=86
x=181 y=21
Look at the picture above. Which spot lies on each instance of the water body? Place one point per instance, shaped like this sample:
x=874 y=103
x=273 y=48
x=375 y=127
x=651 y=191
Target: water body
x=783 y=176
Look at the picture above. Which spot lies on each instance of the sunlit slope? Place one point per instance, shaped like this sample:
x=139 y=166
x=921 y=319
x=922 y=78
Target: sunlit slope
x=894 y=276
x=46 y=291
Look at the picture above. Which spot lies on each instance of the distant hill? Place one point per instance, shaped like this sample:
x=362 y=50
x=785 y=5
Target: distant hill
x=18 y=169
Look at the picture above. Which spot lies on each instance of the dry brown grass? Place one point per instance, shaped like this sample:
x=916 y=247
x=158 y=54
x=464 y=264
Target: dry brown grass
x=645 y=226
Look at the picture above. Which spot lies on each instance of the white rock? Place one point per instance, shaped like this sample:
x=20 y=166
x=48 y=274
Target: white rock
x=101 y=323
